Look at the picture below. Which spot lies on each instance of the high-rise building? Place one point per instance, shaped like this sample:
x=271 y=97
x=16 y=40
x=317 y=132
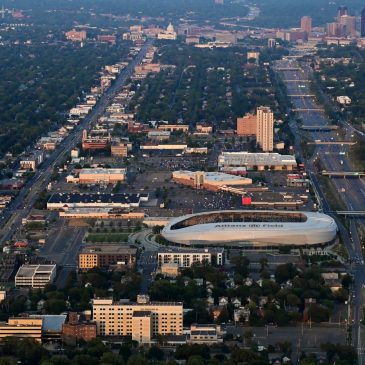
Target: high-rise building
x=247 y=125
x=306 y=24
x=271 y=43
x=347 y=26
x=141 y=320
x=265 y=128
x=332 y=29
x=363 y=23
x=342 y=10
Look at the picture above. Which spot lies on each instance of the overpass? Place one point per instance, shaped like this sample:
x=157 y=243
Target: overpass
x=354 y=213
x=288 y=69
x=323 y=128
x=343 y=173
x=301 y=95
x=308 y=110
x=333 y=143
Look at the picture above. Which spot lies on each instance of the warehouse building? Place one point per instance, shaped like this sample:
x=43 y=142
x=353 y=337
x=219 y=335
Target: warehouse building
x=256 y=161
x=208 y=180
x=98 y=176
x=78 y=200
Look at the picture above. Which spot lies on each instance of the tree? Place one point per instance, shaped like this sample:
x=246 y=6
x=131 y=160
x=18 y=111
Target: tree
x=241 y=265
x=347 y=281
x=125 y=352
x=318 y=313
x=155 y=353
x=26 y=349
x=285 y=272
x=55 y=306
x=57 y=360
x=157 y=229
x=109 y=358
x=195 y=360
x=137 y=359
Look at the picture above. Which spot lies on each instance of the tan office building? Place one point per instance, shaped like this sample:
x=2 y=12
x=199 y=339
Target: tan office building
x=247 y=125
x=306 y=24
x=141 y=320
x=98 y=176
x=119 y=149
x=106 y=255
x=22 y=327
x=265 y=129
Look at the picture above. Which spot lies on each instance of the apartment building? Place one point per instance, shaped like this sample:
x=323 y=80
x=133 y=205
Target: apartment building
x=106 y=255
x=247 y=125
x=141 y=320
x=265 y=129
x=186 y=258
x=174 y=127
x=35 y=276
x=77 y=329
x=22 y=327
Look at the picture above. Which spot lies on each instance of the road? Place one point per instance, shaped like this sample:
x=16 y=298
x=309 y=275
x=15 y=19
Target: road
x=305 y=338
x=333 y=158
x=147 y=263
x=11 y=220
x=21 y=206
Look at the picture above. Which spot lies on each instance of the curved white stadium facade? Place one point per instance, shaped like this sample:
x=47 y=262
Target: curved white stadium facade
x=251 y=228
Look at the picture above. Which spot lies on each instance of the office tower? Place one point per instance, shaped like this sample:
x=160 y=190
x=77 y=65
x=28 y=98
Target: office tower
x=306 y=24
x=332 y=29
x=271 y=43
x=363 y=22
x=265 y=128
x=342 y=10
x=347 y=26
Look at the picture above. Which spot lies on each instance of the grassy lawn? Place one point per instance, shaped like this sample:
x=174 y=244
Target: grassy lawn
x=106 y=237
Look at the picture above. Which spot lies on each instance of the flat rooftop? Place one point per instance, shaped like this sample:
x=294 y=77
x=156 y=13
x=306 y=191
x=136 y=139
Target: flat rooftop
x=96 y=198
x=214 y=176
x=191 y=250
x=102 y=171
x=248 y=158
x=31 y=270
x=108 y=249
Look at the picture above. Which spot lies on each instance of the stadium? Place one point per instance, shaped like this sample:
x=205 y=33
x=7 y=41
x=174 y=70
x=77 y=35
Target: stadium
x=251 y=228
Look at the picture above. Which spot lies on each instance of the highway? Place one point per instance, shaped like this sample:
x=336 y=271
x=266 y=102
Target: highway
x=332 y=158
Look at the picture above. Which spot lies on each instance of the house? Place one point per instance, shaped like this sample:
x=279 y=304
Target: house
x=216 y=312
x=241 y=314
x=210 y=301
x=236 y=302
x=248 y=282
x=222 y=301
x=263 y=301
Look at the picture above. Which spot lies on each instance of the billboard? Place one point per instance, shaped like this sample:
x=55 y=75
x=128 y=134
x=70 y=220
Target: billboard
x=246 y=200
